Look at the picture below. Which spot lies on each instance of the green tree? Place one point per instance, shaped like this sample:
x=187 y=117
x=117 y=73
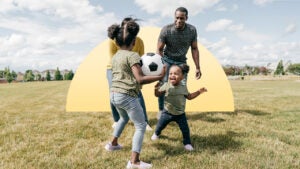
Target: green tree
x=48 y=76
x=2 y=74
x=69 y=75
x=294 y=68
x=8 y=75
x=9 y=78
x=14 y=74
x=28 y=76
x=57 y=75
x=279 y=69
x=39 y=77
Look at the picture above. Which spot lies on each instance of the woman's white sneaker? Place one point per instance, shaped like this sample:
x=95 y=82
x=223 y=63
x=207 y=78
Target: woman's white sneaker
x=110 y=147
x=142 y=165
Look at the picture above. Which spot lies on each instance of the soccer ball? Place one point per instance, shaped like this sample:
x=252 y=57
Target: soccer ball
x=151 y=64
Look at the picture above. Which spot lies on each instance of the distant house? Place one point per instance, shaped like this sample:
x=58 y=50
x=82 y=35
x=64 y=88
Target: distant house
x=272 y=66
x=20 y=77
x=51 y=71
x=36 y=73
x=64 y=72
x=3 y=80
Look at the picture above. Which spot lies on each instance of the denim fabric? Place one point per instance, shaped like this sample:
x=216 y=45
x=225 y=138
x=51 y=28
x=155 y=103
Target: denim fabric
x=129 y=108
x=168 y=64
x=181 y=120
x=114 y=111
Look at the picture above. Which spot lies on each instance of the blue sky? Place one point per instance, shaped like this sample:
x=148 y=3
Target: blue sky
x=46 y=34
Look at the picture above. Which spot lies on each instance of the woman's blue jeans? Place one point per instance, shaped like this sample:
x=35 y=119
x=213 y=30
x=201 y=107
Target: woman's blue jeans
x=129 y=108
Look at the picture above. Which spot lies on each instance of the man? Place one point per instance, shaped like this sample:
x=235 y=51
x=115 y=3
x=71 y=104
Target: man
x=173 y=43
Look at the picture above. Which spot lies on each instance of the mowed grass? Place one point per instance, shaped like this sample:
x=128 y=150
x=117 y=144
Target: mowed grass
x=263 y=132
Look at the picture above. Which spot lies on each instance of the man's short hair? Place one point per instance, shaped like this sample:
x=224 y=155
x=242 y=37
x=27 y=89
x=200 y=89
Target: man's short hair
x=182 y=9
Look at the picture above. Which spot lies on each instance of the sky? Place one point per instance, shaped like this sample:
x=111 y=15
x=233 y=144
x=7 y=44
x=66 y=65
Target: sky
x=46 y=34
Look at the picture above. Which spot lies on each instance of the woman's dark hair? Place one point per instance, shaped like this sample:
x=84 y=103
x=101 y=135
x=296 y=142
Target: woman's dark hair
x=125 y=33
x=127 y=19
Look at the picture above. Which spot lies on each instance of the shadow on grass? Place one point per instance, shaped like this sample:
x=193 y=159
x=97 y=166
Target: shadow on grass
x=253 y=112
x=218 y=142
x=205 y=116
x=209 y=116
x=212 y=144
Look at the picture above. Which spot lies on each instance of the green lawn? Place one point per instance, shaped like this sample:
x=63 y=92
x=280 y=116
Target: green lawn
x=263 y=132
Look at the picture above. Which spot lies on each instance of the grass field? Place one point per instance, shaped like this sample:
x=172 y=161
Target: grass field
x=263 y=132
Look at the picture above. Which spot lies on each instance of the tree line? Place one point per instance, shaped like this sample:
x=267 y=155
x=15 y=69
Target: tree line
x=10 y=76
x=29 y=75
x=262 y=70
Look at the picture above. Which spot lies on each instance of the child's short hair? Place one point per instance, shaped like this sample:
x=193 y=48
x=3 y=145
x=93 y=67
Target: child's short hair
x=184 y=68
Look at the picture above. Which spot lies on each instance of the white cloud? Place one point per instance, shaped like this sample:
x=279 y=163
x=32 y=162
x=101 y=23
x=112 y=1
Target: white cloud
x=222 y=43
x=256 y=54
x=252 y=36
x=235 y=28
x=166 y=8
x=218 y=25
x=50 y=33
x=223 y=8
x=262 y=2
x=222 y=25
x=291 y=28
x=6 y=5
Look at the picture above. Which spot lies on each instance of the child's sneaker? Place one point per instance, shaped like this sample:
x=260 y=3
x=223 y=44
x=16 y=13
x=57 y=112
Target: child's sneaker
x=142 y=165
x=154 y=137
x=148 y=128
x=110 y=147
x=188 y=147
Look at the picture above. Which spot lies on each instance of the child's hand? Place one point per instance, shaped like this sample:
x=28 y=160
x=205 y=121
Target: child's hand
x=157 y=85
x=202 y=90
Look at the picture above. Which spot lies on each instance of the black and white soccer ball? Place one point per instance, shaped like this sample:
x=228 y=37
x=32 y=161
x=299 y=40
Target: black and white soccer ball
x=151 y=64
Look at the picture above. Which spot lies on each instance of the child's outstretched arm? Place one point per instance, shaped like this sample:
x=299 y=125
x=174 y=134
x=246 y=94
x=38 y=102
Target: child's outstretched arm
x=195 y=94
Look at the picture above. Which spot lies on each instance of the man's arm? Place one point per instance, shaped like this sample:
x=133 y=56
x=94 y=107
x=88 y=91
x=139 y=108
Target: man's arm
x=160 y=48
x=195 y=55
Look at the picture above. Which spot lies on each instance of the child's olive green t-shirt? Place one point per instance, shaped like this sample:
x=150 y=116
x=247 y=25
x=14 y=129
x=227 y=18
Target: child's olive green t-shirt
x=123 y=80
x=174 y=98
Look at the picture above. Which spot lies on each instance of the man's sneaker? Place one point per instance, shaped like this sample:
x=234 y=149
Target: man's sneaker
x=148 y=128
x=142 y=165
x=114 y=125
x=154 y=137
x=188 y=147
x=110 y=147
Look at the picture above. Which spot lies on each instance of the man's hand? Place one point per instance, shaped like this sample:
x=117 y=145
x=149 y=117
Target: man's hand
x=198 y=74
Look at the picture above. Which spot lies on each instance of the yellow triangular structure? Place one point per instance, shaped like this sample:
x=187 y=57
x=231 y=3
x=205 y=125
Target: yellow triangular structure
x=88 y=90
